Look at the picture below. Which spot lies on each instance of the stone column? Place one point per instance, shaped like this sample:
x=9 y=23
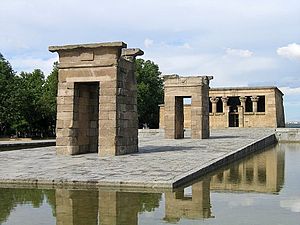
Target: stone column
x=225 y=101
x=214 y=101
x=225 y=111
x=254 y=100
x=242 y=110
x=241 y=115
x=243 y=102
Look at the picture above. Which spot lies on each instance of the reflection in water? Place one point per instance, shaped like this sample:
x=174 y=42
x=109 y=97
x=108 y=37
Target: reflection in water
x=196 y=206
x=76 y=207
x=263 y=172
x=10 y=198
x=116 y=208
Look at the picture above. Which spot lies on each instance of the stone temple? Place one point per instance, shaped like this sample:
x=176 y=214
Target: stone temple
x=97 y=99
x=259 y=107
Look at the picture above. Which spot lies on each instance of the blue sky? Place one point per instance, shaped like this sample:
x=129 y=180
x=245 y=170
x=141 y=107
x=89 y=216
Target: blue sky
x=239 y=42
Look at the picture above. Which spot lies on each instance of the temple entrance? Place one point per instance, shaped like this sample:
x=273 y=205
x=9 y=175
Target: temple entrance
x=86 y=113
x=179 y=118
x=233 y=103
x=180 y=123
x=234 y=119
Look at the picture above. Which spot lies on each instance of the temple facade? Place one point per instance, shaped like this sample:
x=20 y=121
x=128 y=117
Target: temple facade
x=240 y=107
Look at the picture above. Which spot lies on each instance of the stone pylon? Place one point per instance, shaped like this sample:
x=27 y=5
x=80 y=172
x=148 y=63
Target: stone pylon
x=97 y=99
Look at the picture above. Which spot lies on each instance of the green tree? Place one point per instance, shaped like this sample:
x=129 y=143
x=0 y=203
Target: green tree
x=150 y=92
x=7 y=110
x=27 y=101
x=33 y=120
x=49 y=98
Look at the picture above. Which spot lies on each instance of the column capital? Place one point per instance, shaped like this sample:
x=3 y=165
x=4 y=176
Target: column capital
x=254 y=98
x=243 y=98
x=214 y=99
x=224 y=99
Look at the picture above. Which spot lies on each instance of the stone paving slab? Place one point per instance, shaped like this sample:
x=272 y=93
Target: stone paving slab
x=160 y=163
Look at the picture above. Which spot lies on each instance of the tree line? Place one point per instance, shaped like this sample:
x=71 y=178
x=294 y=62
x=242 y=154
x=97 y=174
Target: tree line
x=28 y=100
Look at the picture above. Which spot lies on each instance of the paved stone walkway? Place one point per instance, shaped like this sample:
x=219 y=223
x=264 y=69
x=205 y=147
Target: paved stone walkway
x=160 y=163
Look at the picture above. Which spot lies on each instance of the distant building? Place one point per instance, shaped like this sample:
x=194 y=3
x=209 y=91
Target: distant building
x=241 y=107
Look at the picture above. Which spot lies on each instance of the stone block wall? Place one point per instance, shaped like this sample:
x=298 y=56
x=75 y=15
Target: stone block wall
x=96 y=99
x=127 y=131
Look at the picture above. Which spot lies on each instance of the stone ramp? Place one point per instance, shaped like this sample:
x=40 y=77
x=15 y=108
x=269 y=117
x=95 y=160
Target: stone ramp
x=161 y=163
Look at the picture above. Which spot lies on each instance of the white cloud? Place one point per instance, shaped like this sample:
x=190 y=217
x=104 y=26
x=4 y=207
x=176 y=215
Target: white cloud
x=239 y=52
x=291 y=204
x=290 y=91
x=186 y=45
x=292 y=51
x=29 y=64
x=148 y=42
x=227 y=71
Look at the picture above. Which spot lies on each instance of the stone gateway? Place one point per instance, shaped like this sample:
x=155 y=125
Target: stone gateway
x=97 y=99
x=176 y=89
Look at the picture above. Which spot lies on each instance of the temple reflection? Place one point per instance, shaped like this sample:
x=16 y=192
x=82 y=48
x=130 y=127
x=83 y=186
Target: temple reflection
x=263 y=172
x=76 y=207
x=103 y=207
x=194 y=206
x=116 y=208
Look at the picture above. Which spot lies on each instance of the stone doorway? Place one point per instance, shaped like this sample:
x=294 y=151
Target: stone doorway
x=176 y=89
x=86 y=114
x=179 y=118
x=182 y=117
x=233 y=119
x=234 y=103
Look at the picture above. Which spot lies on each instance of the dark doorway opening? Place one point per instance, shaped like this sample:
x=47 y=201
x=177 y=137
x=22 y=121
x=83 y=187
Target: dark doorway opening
x=233 y=103
x=86 y=115
x=180 y=102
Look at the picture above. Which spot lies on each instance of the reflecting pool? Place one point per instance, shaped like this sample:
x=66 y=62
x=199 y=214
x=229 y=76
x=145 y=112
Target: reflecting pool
x=261 y=189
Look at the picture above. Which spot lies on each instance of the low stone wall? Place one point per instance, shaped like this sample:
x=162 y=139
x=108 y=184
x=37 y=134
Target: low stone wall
x=151 y=132
x=288 y=134
x=15 y=145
